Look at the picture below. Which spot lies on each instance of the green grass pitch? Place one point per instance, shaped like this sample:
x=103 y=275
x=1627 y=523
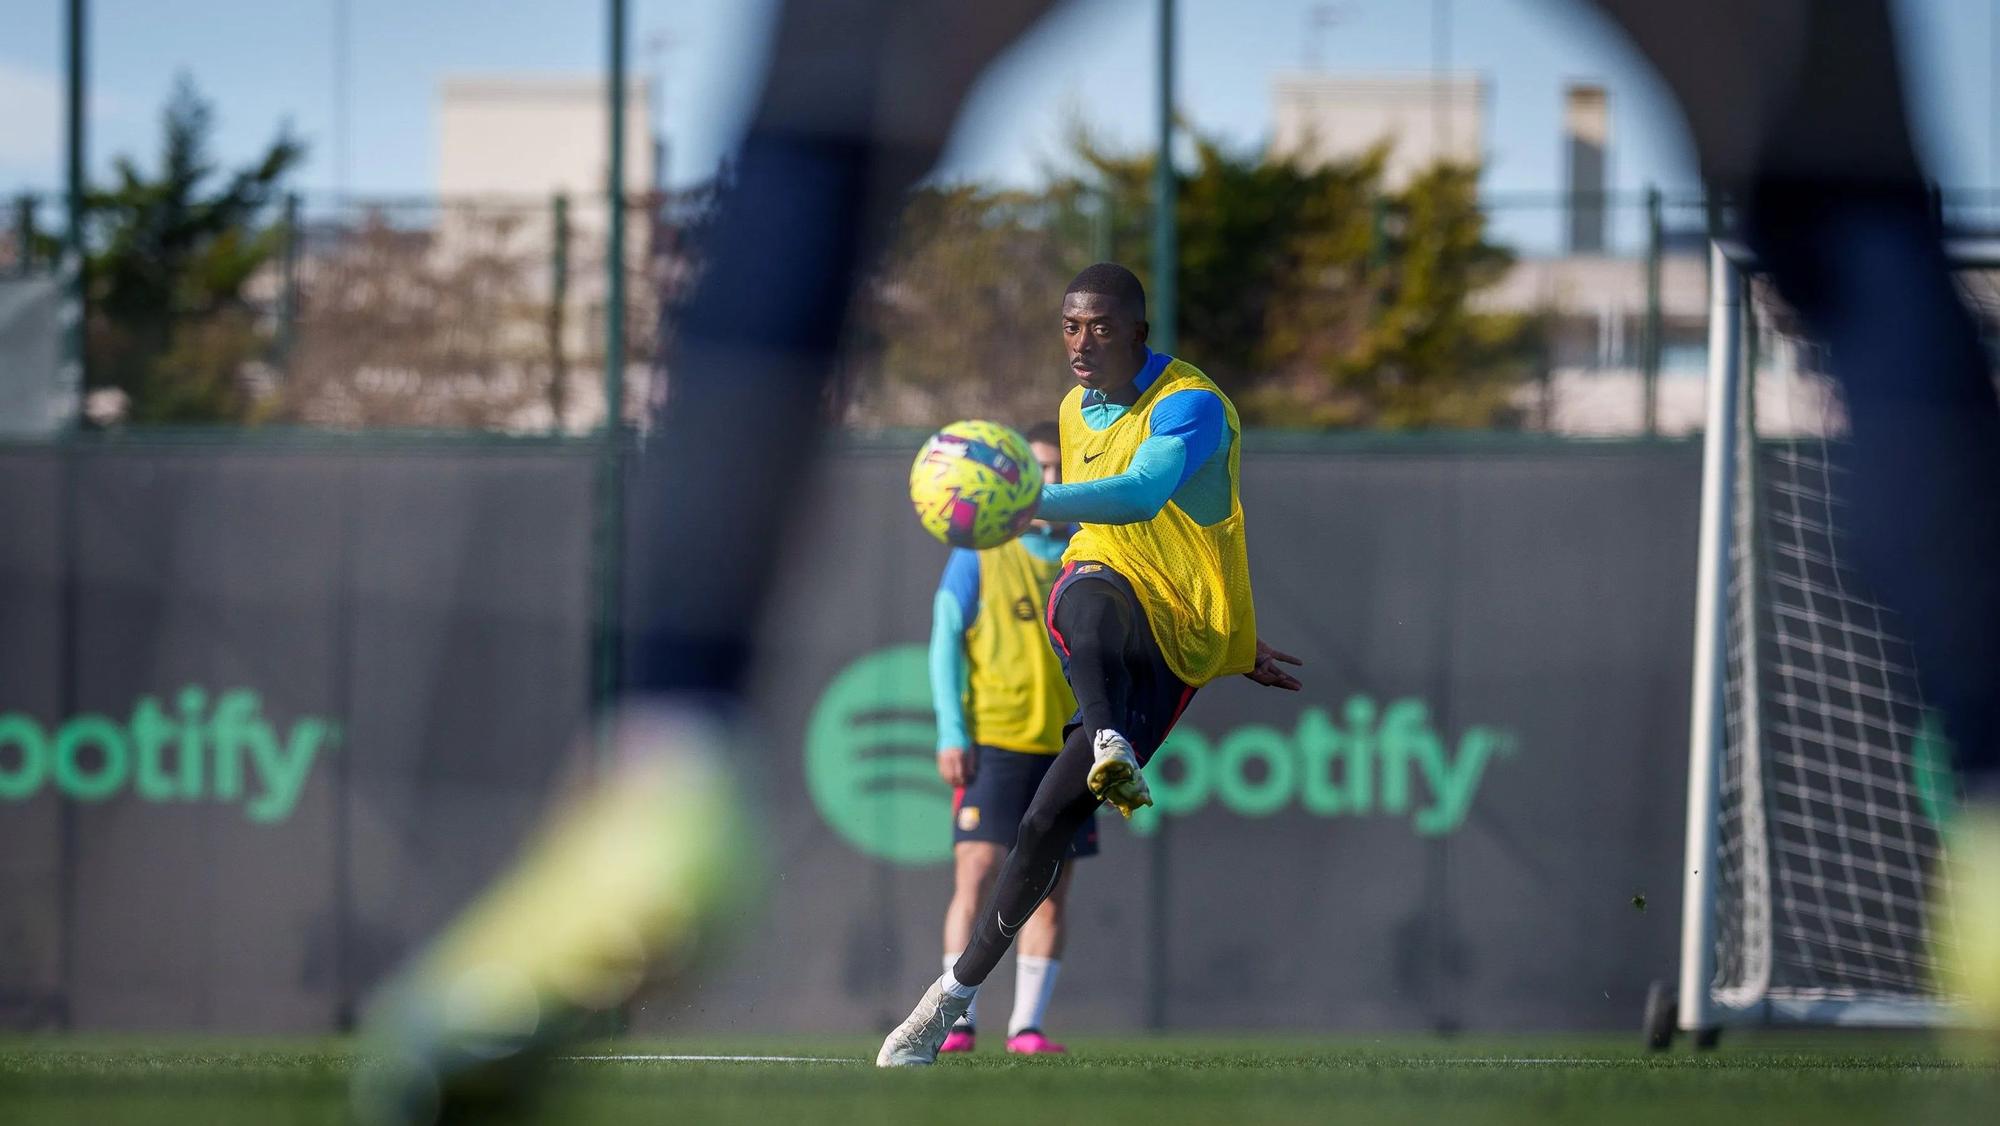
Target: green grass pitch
x=1821 y=1080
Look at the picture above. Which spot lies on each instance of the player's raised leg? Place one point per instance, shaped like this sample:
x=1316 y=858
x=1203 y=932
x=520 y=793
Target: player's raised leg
x=1095 y=623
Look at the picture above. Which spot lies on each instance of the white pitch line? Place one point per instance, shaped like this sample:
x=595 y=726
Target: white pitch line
x=1484 y=1061
x=707 y=1059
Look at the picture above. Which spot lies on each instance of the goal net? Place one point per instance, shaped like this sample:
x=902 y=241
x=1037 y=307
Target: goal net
x=1818 y=775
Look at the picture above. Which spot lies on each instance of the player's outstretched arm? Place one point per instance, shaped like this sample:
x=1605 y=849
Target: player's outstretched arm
x=1267 y=672
x=1132 y=497
x=1188 y=428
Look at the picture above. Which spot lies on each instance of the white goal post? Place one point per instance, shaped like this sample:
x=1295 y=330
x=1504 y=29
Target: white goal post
x=1815 y=773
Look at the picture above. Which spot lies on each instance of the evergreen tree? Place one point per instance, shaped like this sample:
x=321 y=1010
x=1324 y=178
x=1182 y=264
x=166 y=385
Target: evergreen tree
x=171 y=254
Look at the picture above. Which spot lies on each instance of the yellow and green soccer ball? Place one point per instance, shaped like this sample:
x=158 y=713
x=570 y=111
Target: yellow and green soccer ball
x=976 y=484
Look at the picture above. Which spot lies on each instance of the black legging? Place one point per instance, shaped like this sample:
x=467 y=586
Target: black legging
x=1099 y=625
x=1061 y=805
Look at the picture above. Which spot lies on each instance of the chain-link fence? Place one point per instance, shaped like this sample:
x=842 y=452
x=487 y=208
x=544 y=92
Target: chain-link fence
x=487 y=315
x=475 y=314
x=1399 y=315
x=1565 y=314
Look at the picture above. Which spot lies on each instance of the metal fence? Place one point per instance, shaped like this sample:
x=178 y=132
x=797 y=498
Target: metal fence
x=468 y=314
x=485 y=314
x=489 y=315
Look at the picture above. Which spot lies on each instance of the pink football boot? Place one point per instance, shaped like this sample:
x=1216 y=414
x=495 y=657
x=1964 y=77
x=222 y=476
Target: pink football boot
x=960 y=1040
x=1031 y=1042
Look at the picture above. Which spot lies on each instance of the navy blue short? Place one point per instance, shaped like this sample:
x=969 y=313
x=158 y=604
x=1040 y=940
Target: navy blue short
x=1155 y=697
x=991 y=808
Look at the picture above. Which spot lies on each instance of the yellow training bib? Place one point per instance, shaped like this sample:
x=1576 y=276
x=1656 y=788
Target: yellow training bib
x=1016 y=697
x=1192 y=581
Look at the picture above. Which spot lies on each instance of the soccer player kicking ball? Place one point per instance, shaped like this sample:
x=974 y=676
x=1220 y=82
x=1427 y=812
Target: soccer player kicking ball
x=1153 y=602
x=993 y=671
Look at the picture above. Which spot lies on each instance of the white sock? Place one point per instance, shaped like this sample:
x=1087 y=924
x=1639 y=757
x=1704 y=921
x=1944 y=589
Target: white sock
x=1034 y=983
x=956 y=987
x=971 y=1016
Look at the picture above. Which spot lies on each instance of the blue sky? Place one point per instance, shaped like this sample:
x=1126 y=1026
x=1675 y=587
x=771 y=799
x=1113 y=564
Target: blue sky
x=267 y=63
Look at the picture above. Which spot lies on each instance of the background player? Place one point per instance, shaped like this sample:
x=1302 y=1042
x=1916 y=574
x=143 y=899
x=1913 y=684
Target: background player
x=1000 y=699
x=1154 y=601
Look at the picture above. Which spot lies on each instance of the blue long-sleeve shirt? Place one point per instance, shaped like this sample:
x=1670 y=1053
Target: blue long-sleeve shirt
x=1185 y=460
x=953 y=610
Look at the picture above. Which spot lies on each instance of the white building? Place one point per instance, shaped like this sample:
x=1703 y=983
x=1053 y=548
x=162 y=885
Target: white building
x=1424 y=118
x=537 y=135
x=508 y=146
x=1595 y=310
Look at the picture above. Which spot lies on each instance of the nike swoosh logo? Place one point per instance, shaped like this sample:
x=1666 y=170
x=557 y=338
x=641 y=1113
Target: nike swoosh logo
x=1088 y=458
x=1008 y=932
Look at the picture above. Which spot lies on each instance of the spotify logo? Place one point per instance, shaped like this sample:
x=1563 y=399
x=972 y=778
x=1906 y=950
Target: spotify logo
x=193 y=746
x=871 y=770
x=871 y=765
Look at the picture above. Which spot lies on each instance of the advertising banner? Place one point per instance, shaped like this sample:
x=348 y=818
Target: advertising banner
x=268 y=717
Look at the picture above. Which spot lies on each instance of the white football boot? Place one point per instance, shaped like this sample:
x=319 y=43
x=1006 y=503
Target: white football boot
x=916 y=1041
x=1114 y=775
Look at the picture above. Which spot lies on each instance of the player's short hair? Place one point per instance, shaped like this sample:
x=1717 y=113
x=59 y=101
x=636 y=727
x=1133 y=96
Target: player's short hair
x=1044 y=432
x=1109 y=279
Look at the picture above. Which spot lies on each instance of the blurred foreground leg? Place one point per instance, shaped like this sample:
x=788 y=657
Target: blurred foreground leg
x=628 y=882
x=857 y=102
x=1970 y=915
x=1798 y=117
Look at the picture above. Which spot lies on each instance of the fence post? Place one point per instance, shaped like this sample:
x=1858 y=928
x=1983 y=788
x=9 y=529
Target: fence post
x=1165 y=298
x=1651 y=344
x=1101 y=227
x=288 y=293
x=558 y=311
x=1165 y=331
x=614 y=245
x=24 y=235
x=610 y=462
x=75 y=267
x=1378 y=232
